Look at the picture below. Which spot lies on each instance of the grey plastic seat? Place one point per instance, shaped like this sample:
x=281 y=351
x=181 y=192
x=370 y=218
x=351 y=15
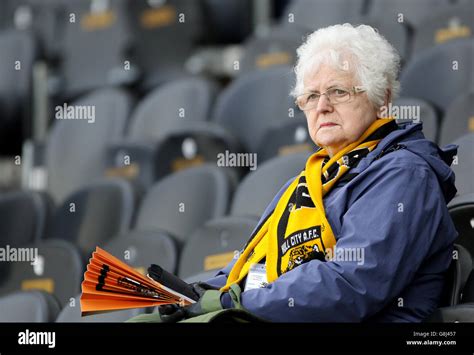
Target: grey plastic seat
x=76 y=148
x=94 y=214
x=431 y=76
x=427 y=115
x=258 y=188
x=57 y=270
x=71 y=313
x=461 y=210
x=414 y=12
x=170 y=107
x=468 y=291
x=17 y=54
x=458 y=118
x=267 y=100
x=28 y=307
x=181 y=202
x=452 y=23
x=278 y=48
x=141 y=249
x=464 y=165
x=24 y=217
x=214 y=245
x=162 y=38
x=314 y=14
x=94 y=47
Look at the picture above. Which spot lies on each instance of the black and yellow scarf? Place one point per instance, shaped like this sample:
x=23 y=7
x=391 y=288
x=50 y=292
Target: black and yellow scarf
x=297 y=230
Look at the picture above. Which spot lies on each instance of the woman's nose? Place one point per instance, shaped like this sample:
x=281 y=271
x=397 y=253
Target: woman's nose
x=324 y=105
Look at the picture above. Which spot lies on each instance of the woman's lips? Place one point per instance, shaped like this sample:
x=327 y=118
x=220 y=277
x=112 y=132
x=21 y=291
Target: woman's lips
x=329 y=124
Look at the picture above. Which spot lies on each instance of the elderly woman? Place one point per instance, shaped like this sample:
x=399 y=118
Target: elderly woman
x=373 y=190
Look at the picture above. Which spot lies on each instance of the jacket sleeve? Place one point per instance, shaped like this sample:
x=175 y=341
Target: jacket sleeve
x=392 y=220
x=220 y=279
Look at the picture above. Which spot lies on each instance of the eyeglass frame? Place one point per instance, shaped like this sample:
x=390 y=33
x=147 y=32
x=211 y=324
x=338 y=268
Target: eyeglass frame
x=352 y=91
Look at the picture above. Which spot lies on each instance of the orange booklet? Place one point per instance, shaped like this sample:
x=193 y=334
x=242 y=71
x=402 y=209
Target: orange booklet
x=110 y=284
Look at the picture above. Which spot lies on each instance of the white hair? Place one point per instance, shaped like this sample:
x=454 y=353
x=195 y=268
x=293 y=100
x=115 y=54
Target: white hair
x=374 y=62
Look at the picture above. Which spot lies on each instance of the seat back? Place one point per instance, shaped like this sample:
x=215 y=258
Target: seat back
x=170 y=107
x=258 y=188
x=76 y=148
x=57 y=270
x=28 y=307
x=456 y=276
x=435 y=76
x=461 y=210
x=215 y=244
x=458 y=119
x=267 y=100
x=94 y=214
x=181 y=202
x=141 y=249
x=452 y=23
x=463 y=166
x=422 y=112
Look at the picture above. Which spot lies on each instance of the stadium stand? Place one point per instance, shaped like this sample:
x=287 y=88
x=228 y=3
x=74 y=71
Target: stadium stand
x=57 y=270
x=463 y=167
x=76 y=148
x=29 y=306
x=440 y=74
x=458 y=118
x=17 y=55
x=94 y=214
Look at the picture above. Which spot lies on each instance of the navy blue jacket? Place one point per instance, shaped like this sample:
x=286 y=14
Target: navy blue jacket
x=395 y=210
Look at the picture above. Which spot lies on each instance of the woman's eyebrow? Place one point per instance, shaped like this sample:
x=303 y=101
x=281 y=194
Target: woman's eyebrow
x=333 y=85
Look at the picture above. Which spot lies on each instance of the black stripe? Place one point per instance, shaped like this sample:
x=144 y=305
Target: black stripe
x=382 y=131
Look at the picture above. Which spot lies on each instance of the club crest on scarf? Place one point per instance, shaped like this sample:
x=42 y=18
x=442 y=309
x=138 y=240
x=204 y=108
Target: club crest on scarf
x=297 y=230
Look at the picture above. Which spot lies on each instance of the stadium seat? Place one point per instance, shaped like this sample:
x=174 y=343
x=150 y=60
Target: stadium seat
x=463 y=166
x=440 y=27
x=45 y=19
x=214 y=245
x=413 y=12
x=170 y=108
x=76 y=148
x=461 y=210
x=468 y=291
x=228 y=21
x=181 y=202
x=71 y=313
x=267 y=100
x=277 y=48
x=456 y=276
x=28 y=307
x=461 y=313
x=427 y=115
x=141 y=249
x=58 y=270
x=24 y=217
x=165 y=34
x=258 y=188
x=94 y=214
x=314 y=14
x=17 y=55
x=439 y=74
x=94 y=47
x=458 y=119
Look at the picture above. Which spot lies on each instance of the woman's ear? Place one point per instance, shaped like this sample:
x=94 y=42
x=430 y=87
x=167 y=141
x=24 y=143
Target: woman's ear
x=382 y=112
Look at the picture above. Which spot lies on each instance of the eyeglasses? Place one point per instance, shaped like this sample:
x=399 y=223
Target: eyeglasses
x=335 y=95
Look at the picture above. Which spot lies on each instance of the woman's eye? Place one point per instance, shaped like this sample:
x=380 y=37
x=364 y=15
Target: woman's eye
x=339 y=92
x=312 y=97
